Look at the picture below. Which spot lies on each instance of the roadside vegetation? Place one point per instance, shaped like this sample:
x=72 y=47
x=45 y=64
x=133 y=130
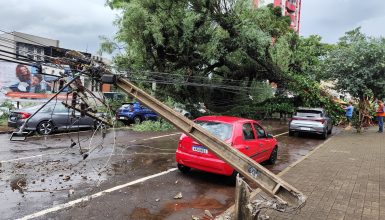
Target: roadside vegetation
x=159 y=125
x=227 y=55
x=5 y=107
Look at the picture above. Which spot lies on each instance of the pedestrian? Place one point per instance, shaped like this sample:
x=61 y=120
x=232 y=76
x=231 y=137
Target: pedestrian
x=349 y=112
x=380 y=113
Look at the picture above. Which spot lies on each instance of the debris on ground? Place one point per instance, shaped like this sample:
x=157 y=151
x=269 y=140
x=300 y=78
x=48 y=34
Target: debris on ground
x=19 y=165
x=194 y=217
x=71 y=192
x=157 y=200
x=178 y=196
x=66 y=178
x=263 y=217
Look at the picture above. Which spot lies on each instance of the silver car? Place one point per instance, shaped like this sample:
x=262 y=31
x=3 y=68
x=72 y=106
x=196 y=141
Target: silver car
x=311 y=120
x=53 y=117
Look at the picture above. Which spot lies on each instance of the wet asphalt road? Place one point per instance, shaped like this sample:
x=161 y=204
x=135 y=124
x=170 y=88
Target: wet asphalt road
x=45 y=172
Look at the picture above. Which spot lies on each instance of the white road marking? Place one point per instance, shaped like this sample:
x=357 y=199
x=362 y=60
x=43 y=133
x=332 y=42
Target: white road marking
x=23 y=158
x=281 y=134
x=88 y=198
x=162 y=136
x=151 y=153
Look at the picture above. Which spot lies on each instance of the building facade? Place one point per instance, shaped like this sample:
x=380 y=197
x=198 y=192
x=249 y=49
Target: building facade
x=291 y=8
x=21 y=45
x=20 y=77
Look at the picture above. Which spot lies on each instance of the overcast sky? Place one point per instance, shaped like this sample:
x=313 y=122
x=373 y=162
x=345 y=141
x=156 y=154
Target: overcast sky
x=332 y=18
x=78 y=23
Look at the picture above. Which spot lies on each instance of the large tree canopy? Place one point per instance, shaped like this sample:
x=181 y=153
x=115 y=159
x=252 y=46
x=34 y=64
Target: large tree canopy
x=358 y=65
x=222 y=42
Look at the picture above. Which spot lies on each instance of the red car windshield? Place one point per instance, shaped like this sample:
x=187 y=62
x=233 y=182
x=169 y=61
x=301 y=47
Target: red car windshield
x=218 y=129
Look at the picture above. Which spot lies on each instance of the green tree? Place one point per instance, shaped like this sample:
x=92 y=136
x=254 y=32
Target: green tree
x=204 y=42
x=358 y=65
x=300 y=59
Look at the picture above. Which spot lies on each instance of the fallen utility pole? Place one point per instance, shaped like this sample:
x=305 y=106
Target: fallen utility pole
x=263 y=178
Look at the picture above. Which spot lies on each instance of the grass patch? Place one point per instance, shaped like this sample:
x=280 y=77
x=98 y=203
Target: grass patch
x=3 y=121
x=153 y=126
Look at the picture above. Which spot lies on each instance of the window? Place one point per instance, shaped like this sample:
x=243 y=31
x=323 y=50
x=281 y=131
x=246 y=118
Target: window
x=248 y=133
x=308 y=113
x=260 y=132
x=59 y=108
x=220 y=130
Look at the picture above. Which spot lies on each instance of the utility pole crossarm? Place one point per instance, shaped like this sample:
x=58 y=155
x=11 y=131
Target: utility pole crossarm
x=263 y=178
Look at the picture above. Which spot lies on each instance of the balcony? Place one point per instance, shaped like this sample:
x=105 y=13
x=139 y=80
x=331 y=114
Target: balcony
x=291 y=5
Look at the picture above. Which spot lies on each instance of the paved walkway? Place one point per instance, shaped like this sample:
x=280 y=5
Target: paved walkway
x=343 y=179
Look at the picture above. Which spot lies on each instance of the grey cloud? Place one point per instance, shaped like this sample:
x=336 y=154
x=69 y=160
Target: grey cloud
x=332 y=18
x=77 y=24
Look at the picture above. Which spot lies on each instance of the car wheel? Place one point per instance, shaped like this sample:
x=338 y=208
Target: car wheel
x=45 y=128
x=324 y=135
x=137 y=120
x=330 y=131
x=273 y=156
x=291 y=133
x=232 y=180
x=183 y=168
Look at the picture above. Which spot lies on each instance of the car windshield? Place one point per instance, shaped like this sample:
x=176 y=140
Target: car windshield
x=220 y=130
x=309 y=113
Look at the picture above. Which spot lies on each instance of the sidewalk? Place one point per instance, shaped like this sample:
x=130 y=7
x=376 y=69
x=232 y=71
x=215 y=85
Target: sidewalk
x=343 y=179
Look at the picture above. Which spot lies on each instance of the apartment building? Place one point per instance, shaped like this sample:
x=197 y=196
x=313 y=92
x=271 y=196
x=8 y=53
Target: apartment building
x=20 y=45
x=291 y=8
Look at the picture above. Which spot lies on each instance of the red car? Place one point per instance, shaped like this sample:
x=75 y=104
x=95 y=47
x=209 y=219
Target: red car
x=243 y=134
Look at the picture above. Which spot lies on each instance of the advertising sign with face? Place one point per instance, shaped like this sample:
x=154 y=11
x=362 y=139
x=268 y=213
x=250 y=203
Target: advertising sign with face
x=19 y=81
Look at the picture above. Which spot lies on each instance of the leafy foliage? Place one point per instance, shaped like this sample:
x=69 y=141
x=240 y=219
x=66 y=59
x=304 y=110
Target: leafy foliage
x=5 y=113
x=153 y=126
x=218 y=52
x=357 y=66
x=216 y=42
x=311 y=95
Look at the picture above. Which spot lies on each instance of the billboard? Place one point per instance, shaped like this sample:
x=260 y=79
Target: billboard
x=19 y=81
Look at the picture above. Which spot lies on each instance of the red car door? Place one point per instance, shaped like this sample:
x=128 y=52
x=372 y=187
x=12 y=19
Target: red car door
x=250 y=144
x=265 y=144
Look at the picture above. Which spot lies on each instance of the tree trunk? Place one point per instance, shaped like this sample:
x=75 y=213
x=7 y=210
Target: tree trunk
x=364 y=117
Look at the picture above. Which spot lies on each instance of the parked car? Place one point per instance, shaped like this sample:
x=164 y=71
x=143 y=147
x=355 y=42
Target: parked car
x=246 y=135
x=135 y=113
x=117 y=96
x=182 y=111
x=53 y=117
x=311 y=120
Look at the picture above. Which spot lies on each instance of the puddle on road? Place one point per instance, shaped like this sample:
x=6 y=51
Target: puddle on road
x=120 y=167
x=138 y=162
x=202 y=203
